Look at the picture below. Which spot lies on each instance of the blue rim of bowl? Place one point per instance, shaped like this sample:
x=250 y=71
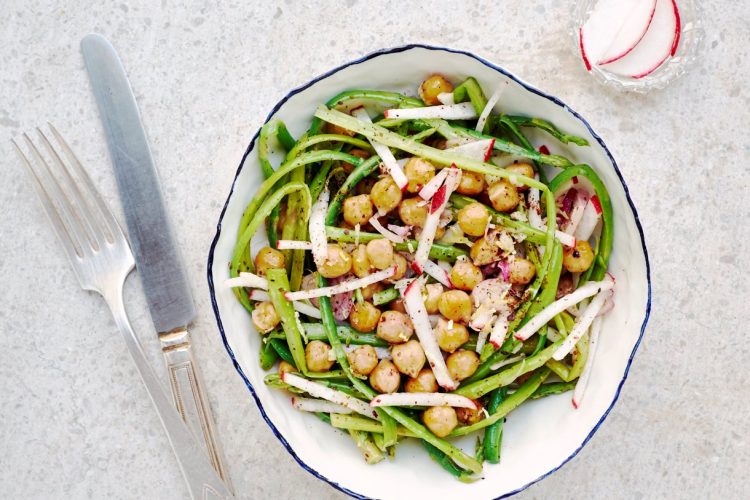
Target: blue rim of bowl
x=528 y=87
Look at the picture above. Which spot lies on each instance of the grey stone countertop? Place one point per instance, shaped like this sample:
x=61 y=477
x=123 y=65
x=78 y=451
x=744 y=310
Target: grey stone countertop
x=75 y=421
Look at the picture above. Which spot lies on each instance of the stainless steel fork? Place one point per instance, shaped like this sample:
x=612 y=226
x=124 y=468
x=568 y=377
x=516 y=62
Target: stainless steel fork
x=102 y=260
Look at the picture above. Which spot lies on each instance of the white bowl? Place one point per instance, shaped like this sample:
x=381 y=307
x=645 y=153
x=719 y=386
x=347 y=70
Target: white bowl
x=540 y=436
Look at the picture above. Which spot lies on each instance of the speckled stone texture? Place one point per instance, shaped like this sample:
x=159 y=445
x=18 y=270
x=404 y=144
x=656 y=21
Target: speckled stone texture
x=75 y=421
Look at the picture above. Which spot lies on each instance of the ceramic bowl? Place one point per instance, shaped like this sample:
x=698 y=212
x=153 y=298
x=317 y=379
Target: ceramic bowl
x=541 y=435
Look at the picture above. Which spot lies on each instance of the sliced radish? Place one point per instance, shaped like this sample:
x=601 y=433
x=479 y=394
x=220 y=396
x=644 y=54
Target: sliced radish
x=558 y=306
x=655 y=47
x=346 y=286
x=614 y=28
x=301 y=307
x=582 y=324
x=437 y=272
x=317 y=228
x=431 y=187
x=499 y=329
x=478 y=150
x=491 y=102
x=481 y=340
x=411 y=291
x=332 y=395
x=576 y=212
x=631 y=32
x=248 y=280
x=293 y=245
x=460 y=111
x=400 y=230
x=583 y=380
x=342 y=303
x=423 y=399
x=387 y=234
x=589 y=220
x=390 y=165
x=565 y=238
x=437 y=204
x=319 y=405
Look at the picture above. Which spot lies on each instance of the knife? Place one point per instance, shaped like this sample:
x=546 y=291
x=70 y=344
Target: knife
x=157 y=260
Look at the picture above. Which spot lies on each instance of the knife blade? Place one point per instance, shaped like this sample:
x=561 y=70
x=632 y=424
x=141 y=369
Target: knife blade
x=158 y=262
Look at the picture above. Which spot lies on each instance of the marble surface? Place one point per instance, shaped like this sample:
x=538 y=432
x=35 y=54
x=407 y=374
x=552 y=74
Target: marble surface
x=75 y=421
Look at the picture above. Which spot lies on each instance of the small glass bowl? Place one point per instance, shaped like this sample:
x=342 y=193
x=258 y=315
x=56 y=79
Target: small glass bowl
x=691 y=41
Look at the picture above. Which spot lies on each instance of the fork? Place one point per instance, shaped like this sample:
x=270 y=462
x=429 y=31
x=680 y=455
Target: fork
x=101 y=258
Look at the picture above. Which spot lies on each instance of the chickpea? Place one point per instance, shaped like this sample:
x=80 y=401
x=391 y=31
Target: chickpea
x=434 y=291
x=409 y=358
x=471 y=184
x=337 y=263
x=432 y=87
x=317 y=356
x=418 y=172
x=465 y=275
x=380 y=253
x=398 y=306
x=360 y=262
x=484 y=251
x=462 y=364
x=264 y=316
x=285 y=367
x=473 y=219
x=395 y=327
x=470 y=416
x=413 y=211
x=450 y=339
x=330 y=128
x=268 y=258
x=401 y=267
x=363 y=360
x=441 y=420
x=370 y=290
x=364 y=316
x=385 y=194
x=521 y=271
x=455 y=305
x=521 y=169
x=503 y=196
x=578 y=259
x=385 y=377
x=423 y=382
x=358 y=209
x=359 y=153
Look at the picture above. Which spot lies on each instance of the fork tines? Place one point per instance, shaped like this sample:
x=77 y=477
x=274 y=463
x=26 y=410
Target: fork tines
x=80 y=218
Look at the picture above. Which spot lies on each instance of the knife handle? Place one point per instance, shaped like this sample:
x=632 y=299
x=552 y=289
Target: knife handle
x=190 y=397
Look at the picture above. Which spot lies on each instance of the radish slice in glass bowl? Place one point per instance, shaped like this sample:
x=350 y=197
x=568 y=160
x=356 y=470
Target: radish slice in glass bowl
x=613 y=47
x=532 y=448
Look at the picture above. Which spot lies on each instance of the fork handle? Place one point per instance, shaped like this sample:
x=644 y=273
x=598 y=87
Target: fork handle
x=202 y=480
x=190 y=397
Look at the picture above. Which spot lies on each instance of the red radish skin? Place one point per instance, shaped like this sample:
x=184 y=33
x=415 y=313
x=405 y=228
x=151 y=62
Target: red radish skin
x=583 y=55
x=597 y=204
x=544 y=149
x=438 y=199
x=678 y=28
x=655 y=47
x=489 y=150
